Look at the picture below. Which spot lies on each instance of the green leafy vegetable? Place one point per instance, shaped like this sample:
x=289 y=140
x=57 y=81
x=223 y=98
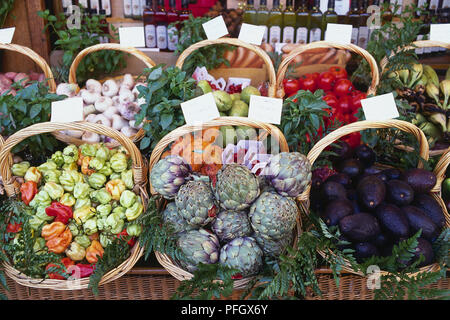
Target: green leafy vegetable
x=6 y=6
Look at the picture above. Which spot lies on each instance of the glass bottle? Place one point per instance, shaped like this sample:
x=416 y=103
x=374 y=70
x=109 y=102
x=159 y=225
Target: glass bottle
x=94 y=5
x=172 y=33
x=315 y=23
x=302 y=24
x=136 y=9
x=275 y=23
x=353 y=19
x=250 y=14
x=148 y=16
x=263 y=18
x=289 y=23
x=106 y=5
x=127 y=9
x=363 y=30
x=330 y=16
x=386 y=16
x=185 y=12
x=161 y=26
x=105 y=28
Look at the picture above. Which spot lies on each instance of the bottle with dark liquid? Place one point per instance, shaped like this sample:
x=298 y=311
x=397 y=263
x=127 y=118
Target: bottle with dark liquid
x=161 y=26
x=105 y=28
x=185 y=12
x=363 y=30
x=172 y=32
x=148 y=16
x=301 y=35
x=330 y=16
x=289 y=23
x=315 y=23
x=353 y=19
x=263 y=19
x=127 y=9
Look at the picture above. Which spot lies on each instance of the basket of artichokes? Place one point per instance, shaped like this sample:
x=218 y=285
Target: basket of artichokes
x=230 y=213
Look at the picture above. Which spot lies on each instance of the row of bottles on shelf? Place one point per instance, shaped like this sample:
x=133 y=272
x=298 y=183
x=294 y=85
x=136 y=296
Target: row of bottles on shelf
x=307 y=23
x=92 y=7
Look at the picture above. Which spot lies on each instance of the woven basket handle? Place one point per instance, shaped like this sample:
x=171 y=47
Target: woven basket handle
x=12 y=187
x=238 y=43
x=282 y=69
x=107 y=46
x=223 y=121
x=36 y=58
x=440 y=169
x=415 y=44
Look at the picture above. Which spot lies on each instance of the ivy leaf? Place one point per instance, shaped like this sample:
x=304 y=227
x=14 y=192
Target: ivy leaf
x=35 y=110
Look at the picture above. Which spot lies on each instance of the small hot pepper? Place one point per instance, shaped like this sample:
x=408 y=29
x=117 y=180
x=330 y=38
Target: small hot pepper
x=14 y=227
x=60 y=243
x=52 y=230
x=66 y=262
x=93 y=251
x=82 y=270
x=28 y=190
x=62 y=212
x=125 y=236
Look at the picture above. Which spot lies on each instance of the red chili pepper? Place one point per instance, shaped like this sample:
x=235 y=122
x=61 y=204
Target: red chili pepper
x=67 y=262
x=28 y=190
x=62 y=212
x=14 y=227
x=124 y=235
x=84 y=270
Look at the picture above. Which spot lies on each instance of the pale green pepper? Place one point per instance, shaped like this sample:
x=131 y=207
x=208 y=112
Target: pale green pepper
x=128 y=198
x=88 y=150
x=33 y=174
x=119 y=162
x=115 y=187
x=58 y=158
x=74 y=228
x=52 y=176
x=41 y=214
x=49 y=165
x=114 y=223
x=75 y=251
x=81 y=190
x=103 y=153
x=101 y=196
x=35 y=222
x=101 y=223
x=42 y=198
x=104 y=209
x=69 y=178
x=19 y=169
x=134 y=211
x=82 y=202
x=68 y=200
x=70 y=154
x=127 y=178
x=83 y=214
x=54 y=190
x=106 y=170
x=105 y=239
x=90 y=226
x=97 y=180
x=120 y=211
x=134 y=229
x=83 y=240
x=115 y=176
x=70 y=166
x=39 y=244
x=96 y=164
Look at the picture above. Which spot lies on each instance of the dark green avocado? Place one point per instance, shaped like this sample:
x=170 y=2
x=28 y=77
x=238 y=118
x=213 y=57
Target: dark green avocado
x=421 y=180
x=331 y=190
x=424 y=248
x=393 y=220
x=419 y=220
x=361 y=227
x=399 y=192
x=336 y=210
x=364 y=250
x=351 y=167
x=431 y=208
x=365 y=154
x=371 y=191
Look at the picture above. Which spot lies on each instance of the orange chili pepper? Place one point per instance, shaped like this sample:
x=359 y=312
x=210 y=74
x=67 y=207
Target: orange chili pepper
x=60 y=243
x=93 y=251
x=85 y=166
x=28 y=190
x=52 y=230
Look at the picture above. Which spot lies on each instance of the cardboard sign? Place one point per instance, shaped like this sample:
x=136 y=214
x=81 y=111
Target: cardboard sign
x=339 y=33
x=200 y=109
x=380 y=108
x=6 y=35
x=68 y=110
x=265 y=109
x=215 y=28
x=132 y=37
x=251 y=34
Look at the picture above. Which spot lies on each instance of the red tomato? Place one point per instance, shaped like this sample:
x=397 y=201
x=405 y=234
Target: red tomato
x=308 y=83
x=338 y=72
x=355 y=93
x=356 y=101
x=345 y=105
x=343 y=87
x=331 y=100
x=291 y=86
x=326 y=81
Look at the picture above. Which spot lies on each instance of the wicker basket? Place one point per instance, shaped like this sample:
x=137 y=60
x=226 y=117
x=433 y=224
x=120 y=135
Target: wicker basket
x=73 y=80
x=418 y=44
x=362 y=125
x=234 y=42
x=36 y=58
x=282 y=69
x=13 y=188
x=172 y=267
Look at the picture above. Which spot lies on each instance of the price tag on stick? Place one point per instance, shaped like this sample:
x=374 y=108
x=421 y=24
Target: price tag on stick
x=200 y=109
x=6 y=35
x=215 y=28
x=440 y=32
x=251 y=34
x=340 y=33
x=380 y=108
x=265 y=109
x=67 y=110
x=132 y=37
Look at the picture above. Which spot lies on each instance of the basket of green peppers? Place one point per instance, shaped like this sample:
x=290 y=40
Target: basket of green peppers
x=80 y=202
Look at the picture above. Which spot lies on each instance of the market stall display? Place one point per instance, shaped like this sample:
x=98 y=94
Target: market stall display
x=112 y=102
x=72 y=210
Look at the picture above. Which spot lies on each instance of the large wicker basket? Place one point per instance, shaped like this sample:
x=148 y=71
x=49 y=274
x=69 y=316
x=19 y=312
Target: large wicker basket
x=235 y=42
x=12 y=188
x=359 y=126
x=282 y=69
x=149 y=63
x=440 y=170
x=171 y=266
x=417 y=44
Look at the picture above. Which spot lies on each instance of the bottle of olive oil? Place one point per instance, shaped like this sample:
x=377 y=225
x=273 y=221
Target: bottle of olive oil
x=289 y=23
x=250 y=14
x=301 y=35
x=363 y=30
x=275 y=23
x=315 y=23
x=330 y=16
x=386 y=16
x=263 y=18
x=353 y=19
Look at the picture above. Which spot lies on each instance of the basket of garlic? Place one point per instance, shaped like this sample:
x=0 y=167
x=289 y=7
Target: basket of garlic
x=112 y=102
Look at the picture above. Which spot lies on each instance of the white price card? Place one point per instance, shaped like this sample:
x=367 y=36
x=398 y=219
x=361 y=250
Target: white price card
x=6 y=35
x=251 y=33
x=265 y=109
x=440 y=32
x=67 y=110
x=200 y=109
x=215 y=28
x=380 y=108
x=340 y=33
x=132 y=37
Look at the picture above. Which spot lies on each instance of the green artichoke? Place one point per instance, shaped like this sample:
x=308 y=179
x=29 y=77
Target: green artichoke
x=273 y=216
x=242 y=254
x=236 y=187
x=196 y=204
x=169 y=174
x=198 y=246
x=171 y=217
x=273 y=248
x=289 y=173
x=231 y=224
